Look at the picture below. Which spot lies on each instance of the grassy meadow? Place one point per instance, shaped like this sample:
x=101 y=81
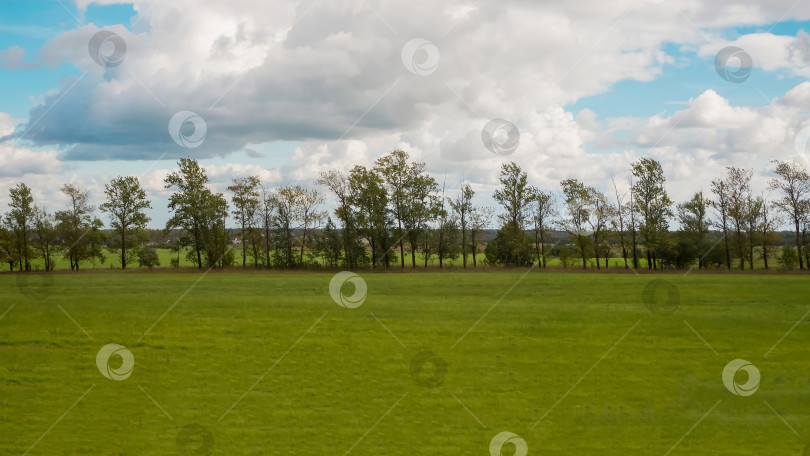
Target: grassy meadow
x=267 y=363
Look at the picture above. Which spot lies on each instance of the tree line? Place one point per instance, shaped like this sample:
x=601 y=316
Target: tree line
x=395 y=210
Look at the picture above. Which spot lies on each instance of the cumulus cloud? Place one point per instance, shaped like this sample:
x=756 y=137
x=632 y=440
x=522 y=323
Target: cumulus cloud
x=329 y=76
x=13 y=59
x=327 y=69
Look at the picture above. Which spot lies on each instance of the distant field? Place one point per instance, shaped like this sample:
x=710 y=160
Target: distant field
x=113 y=261
x=263 y=363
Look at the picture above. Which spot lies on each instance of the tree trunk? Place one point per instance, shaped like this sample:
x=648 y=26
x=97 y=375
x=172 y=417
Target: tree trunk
x=244 y=248
x=303 y=243
x=582 y=249
x=267 y=246
x=799 y=245
x=474 y=248
x=543 y=248
x=635 y=250
x=123 y=249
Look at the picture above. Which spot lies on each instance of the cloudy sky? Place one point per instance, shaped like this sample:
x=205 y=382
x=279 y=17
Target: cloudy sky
x=286 y=89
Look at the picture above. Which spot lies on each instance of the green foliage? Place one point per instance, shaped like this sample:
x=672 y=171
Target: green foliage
x=511 y=247
x=566 y=259
x=20 y=219
x=148 y=257
x=651 y=202
x=330 y=245
x=515 y=194
x=125 y=204
x=695 y=223
x=79 y=229
x=788 y=259
x=369 y=198
x=200 y=212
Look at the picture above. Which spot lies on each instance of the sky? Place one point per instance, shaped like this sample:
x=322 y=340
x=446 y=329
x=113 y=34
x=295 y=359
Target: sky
x=288 y=89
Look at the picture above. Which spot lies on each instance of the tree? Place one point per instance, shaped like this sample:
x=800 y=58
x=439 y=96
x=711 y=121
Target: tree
x=8 y=251
x=20 y=218
x=695 y=223
x=369 y=198
x=148 y=257
x=788 y=258
x=285 y=207
x=309 y=216
x=621 y=210
x=79 y=229
x=424 y=204
x=511 y=247
x=515 y=195
x=338 y=184
x=46 y=236
x=447 y=245
x=577 y=202
x=216 y=242
x=738 y=199
x=631 y=209
x=200 y=212
x=720 y=204
x=752 y=223
x=329 y=244
x=652 y=203
x=599 y=217
x=768 y=225
x=462 y=206
x=268 y=221
x=126 y=201
x=544 y=213
x=793 y=183
x=480 y=218
x=246 y=207
x=397 y=175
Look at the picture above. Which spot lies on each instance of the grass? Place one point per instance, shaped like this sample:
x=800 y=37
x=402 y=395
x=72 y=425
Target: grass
x=580 y=351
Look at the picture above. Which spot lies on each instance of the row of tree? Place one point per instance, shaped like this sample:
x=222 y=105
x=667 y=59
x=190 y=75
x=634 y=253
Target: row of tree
x=730 y=226
x=395 y=209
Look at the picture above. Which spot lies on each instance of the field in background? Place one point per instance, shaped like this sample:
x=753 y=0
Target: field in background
x=269 y=363
x=113 y=261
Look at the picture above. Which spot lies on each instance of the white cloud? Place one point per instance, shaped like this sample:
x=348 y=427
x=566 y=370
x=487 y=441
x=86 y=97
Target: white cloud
x=321 y=70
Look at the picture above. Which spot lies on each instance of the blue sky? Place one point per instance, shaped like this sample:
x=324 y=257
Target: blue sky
x=318 y=85
x=29 y=24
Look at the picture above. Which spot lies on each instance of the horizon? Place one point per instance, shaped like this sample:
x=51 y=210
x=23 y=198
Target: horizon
x=126 y=88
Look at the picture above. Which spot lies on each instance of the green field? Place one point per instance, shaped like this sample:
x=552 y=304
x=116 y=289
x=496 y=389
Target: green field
x=268 y=363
